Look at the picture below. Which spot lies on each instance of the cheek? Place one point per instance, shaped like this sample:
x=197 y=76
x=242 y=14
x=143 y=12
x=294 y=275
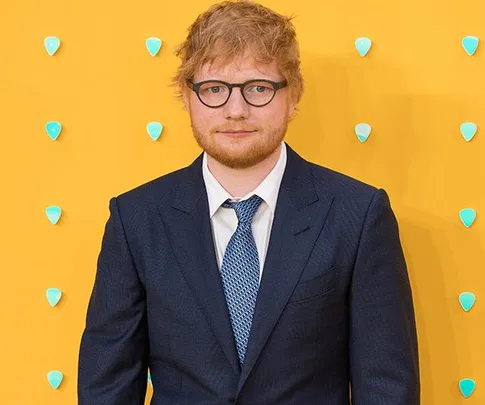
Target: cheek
x=195 y=108
x=272 y=117
x=201 y=117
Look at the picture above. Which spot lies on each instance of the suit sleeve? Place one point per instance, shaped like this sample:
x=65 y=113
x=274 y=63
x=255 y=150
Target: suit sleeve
x=112 y=368
x=383 y=349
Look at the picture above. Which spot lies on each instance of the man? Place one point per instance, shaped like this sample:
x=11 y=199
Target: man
x=252 y=276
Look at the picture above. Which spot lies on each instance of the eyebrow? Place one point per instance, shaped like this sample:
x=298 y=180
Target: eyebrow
x=244 y=81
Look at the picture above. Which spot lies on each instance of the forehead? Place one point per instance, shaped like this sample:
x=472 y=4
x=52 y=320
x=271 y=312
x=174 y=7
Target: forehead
x=241 y=68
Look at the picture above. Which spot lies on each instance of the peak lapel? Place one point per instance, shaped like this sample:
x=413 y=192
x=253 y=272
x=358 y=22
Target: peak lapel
x=190 y=232
x=299 y=218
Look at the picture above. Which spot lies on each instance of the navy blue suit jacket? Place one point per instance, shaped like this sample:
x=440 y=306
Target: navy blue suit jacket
x=334 y=306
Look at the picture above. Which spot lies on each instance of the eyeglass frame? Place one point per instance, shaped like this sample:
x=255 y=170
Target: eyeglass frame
x=276 y=86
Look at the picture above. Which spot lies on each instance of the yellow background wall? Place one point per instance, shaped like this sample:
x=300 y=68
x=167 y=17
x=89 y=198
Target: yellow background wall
x=415 y=87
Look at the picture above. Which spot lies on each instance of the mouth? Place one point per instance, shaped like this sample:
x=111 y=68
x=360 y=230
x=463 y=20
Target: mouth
x=236 y=133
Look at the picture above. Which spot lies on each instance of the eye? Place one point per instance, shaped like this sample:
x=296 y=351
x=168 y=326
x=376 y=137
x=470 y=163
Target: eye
x=214 y=89
x=259 y=88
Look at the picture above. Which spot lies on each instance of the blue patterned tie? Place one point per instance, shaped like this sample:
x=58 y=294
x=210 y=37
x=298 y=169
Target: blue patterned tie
x=240 y=272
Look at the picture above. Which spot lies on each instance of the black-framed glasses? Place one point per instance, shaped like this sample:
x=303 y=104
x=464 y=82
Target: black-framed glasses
x=256 y=92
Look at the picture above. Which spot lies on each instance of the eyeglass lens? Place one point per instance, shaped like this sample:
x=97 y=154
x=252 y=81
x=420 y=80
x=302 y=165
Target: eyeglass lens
x=215 y=93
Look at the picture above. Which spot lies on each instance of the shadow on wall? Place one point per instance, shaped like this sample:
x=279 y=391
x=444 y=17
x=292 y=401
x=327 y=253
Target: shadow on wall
x=448 y=340
x=412 y=152
x=342 y=92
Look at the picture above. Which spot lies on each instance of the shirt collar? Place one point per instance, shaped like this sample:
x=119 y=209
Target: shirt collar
x=267 y=189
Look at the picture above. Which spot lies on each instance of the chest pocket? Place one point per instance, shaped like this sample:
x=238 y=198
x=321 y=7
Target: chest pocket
x=316 y=287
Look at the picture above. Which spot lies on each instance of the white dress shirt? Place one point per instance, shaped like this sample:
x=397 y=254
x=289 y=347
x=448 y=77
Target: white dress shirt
x=224 y=220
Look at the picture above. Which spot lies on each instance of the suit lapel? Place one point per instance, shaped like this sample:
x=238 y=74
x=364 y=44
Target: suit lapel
x=299 y=217
x=190 y=232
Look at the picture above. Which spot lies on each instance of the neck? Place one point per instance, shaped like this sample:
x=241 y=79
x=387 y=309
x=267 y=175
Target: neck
x=239 y=182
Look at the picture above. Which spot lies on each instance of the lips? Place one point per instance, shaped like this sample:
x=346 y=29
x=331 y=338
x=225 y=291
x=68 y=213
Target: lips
x=236 y=132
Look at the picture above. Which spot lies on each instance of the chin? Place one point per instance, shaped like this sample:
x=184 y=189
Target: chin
x=238 y=153
x=241 y=157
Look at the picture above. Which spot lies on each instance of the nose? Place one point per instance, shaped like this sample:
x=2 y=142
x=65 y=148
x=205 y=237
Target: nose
x=236 y=107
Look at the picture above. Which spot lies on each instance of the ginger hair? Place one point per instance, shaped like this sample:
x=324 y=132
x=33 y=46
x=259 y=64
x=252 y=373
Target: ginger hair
x=228 y=29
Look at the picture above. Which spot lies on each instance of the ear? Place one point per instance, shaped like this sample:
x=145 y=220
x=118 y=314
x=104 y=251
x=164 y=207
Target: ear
x=185 y=97
x=291 y=109
x=292 y=102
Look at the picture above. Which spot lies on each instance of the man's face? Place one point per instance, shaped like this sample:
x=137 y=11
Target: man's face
x=268 y=124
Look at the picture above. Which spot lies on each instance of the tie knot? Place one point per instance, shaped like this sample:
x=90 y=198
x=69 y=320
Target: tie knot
x=245 y=209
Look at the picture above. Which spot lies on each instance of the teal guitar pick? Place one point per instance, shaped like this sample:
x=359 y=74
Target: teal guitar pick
x=153 y=45
x=53 y=213
x=55 y=378
x=363 y=131
x=154 y=130
x=467 y=386
x=363 y=45
x=470 y=44
x=467 y=216
x=52 y=45
x=467 y=300
x=53 y=296
x=53 y=129
x=468 y=130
